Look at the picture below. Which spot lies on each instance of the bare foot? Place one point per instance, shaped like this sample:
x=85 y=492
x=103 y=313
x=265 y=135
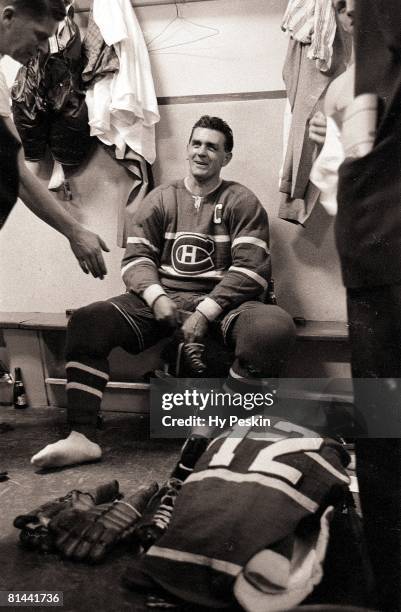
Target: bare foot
x=77 y=448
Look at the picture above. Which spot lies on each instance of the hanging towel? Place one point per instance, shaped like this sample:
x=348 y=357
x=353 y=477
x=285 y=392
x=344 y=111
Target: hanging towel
x=312 y=22
x=123 y=106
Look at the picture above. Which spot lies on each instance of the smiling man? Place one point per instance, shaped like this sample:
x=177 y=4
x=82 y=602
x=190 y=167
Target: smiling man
x=197 y=259
x=25 y=27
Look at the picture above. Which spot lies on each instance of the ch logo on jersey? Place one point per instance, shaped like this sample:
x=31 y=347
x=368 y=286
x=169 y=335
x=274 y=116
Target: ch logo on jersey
x=192 y=254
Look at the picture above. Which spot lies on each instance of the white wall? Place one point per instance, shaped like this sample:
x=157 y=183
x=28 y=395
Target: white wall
x=246 y=55
x=38 y=272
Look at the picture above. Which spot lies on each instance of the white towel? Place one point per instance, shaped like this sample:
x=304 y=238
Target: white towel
x=255 y=588
x=324 y=172
x=123 y=106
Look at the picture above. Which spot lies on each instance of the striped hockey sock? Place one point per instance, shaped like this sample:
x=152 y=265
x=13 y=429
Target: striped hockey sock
x=86 y=381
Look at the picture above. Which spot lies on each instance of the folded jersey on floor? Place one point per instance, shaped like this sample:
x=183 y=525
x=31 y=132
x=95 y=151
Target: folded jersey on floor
x=246 y=495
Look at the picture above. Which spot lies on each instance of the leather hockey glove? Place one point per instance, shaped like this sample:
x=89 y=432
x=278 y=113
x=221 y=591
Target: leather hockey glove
x=34 y=525
x=88 y=535
x=159 y=513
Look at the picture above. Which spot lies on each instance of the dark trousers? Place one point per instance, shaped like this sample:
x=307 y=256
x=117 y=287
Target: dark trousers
x=9 y=177
x=375 y=333
x=260 y=335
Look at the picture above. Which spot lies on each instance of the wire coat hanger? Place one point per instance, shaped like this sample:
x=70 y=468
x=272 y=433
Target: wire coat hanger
x=178 y=17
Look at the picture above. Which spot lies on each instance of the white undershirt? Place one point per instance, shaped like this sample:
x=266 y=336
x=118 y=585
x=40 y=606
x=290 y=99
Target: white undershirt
x=5 y=110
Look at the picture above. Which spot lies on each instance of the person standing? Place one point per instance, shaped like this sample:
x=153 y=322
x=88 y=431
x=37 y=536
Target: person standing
x=368 y=236
x=25 y=28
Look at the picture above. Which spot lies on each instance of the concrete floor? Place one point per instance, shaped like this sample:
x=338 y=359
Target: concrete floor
x=129 y=456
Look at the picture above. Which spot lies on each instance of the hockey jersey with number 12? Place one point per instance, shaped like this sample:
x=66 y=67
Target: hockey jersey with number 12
x=246 y=495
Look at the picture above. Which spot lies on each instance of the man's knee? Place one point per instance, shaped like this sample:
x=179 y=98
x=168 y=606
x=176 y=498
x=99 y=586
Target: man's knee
x=90 y=328
x=266 y=337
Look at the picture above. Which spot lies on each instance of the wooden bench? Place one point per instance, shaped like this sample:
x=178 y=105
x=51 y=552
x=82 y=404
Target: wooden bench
x=35 y=342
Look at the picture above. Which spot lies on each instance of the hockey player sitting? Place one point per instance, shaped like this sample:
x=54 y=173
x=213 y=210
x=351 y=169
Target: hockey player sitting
x=199 y=245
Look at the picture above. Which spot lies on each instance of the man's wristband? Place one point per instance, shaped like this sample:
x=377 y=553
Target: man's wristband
x=152 y=293
x=209 y=308
x=158 y=297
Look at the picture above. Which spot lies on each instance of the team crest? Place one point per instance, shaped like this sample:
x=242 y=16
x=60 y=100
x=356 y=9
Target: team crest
x=191 y=254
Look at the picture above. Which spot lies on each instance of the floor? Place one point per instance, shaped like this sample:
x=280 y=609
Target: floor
x=129 y=456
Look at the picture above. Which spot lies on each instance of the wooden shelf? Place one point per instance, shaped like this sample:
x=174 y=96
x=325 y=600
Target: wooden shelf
x=328 y=331
x=132 y=386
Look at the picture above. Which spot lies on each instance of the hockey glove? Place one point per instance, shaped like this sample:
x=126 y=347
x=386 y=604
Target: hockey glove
x=34 y=525
x=89 y=535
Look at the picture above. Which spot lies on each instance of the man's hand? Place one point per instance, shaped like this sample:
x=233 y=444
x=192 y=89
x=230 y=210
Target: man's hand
x=317 y=128
x=165 y=311
x=87 y=248
x=195 y=327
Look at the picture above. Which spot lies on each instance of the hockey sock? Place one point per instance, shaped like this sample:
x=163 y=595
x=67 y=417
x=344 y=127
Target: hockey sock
x=75 y=449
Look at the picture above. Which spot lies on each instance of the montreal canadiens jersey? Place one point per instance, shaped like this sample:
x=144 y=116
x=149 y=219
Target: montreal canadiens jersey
x=245 y=495
x=216 y=245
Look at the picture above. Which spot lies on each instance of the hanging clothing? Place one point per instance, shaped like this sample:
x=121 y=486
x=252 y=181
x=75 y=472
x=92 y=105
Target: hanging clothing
x=298 y=210
x=123 y=106
x=99 y=59
x=312 y=22
x=48 y=101
x=142 y=182
x=306 y=86
x=121 y=98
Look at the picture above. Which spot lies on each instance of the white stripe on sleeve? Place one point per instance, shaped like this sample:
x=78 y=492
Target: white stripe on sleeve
x=254 y=275
x=135 y=263
x=251 y=240
x=145 y=241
